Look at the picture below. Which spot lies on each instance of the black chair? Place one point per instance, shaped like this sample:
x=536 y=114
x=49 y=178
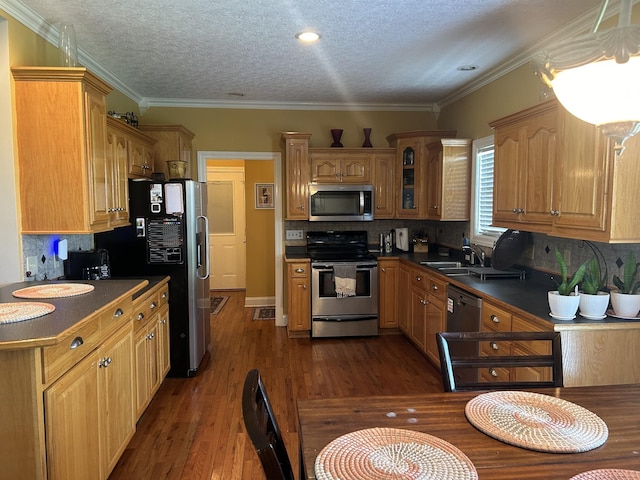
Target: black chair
x=462 y=363
x=263 y=429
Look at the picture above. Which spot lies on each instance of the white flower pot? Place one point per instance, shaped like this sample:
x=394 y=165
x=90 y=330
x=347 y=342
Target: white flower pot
x=625 y=305
x=563 y=306
x=594 y=305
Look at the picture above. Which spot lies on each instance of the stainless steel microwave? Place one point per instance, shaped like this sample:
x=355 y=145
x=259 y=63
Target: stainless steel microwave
x=340 y=203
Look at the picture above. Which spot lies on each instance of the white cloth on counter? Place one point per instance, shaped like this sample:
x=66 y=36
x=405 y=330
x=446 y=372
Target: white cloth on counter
x=344 y=277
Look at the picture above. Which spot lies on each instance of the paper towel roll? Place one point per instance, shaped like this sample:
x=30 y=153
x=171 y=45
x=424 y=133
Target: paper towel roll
x=402 y=239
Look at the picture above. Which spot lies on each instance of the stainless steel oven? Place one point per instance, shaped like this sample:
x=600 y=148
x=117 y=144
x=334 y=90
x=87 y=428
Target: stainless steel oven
x=334 y=314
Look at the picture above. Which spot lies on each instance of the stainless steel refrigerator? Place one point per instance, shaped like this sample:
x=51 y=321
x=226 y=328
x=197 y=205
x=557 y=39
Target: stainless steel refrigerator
x=169 y=235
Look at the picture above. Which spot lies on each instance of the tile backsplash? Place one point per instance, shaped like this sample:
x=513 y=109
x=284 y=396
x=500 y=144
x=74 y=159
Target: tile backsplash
x=45 y=246
x=539 y=254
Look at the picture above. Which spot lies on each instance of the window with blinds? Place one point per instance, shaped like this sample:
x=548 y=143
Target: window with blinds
x=482 y=205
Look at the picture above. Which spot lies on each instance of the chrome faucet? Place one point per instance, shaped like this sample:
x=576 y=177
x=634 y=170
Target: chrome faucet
x=475 y=252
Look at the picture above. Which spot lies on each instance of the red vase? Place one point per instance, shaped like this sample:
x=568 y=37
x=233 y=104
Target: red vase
x=336 y=133
x=367 y=138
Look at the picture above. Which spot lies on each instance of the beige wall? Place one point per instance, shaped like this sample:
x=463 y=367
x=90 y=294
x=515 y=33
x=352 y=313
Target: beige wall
x=261 y=273
x=508 y=94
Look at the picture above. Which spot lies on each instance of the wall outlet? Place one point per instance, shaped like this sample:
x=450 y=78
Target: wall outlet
x=32 y=265
x=294 y=235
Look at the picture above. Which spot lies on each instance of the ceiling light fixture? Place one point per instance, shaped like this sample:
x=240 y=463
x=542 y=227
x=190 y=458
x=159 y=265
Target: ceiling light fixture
x=595 y=76
x=308 y=37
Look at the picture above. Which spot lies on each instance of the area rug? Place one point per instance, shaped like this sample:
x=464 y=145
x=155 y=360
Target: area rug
x=217 y=304
x=264 y=313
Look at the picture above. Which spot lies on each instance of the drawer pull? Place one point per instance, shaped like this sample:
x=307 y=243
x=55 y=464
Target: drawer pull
x=299 y=270
x=150 y=336
x=118 y=313
x=76 y=343
x=492 y=372
x=153 y=305
x=494 y=346
x=434 y=287
x=418 y=278
x=164 y=295
x=140 y=316
x=495 y=319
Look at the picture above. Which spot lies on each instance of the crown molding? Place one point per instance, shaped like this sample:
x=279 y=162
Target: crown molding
x=149 y=102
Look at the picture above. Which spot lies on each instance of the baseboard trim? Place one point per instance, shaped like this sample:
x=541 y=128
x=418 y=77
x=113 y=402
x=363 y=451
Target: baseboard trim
x=260 y=302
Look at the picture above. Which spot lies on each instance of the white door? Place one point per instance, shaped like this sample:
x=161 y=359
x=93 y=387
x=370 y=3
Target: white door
x=227 y=240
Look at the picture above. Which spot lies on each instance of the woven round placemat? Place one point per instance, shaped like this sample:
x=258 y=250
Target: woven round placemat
x=392 y=453
x=537 y=422
x=19 y=311
x=54 y=290
x=608 y=474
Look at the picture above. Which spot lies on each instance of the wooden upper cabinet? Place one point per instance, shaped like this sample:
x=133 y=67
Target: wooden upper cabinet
x=569 y=183
x=340 y=165
x=411 y=167
x=173 y=142
x=525 y=153
x=383 y=183
x=297 y=171
x=61 y=134
x=448 y=182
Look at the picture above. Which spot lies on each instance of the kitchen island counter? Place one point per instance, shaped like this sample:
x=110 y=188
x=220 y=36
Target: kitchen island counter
x=69 y=312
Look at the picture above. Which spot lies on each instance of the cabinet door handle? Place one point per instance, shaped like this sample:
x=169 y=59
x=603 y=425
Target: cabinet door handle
x=140 y=316
x=434 y=287
x=495 y=319
x=153 y=305
x=383 y=270
x=555 y=213
x=164 y=295
x=423 y=301
x=494 y=346
x=493 y=372
x=418 y=278
x=76 y=342
x=118 y=313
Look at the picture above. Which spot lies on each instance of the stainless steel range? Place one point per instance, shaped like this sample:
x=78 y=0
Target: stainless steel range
x=344 y=284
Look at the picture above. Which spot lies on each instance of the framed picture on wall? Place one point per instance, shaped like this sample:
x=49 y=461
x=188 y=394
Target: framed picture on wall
x=264 y=195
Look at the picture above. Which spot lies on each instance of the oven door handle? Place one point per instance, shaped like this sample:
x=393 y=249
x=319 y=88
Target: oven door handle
x=328 y=268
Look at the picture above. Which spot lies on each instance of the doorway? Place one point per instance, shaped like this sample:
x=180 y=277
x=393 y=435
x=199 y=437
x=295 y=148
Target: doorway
x=206 y=157
x=227 y=231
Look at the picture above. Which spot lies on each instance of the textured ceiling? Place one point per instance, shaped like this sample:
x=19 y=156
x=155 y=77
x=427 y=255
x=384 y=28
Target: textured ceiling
x=379 y=52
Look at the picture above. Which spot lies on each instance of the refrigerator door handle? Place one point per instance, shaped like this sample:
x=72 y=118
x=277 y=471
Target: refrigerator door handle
x=204 y=254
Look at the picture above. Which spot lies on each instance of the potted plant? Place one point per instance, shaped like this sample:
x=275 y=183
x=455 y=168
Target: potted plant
x=593 y=301
x=626 y=301
x=564 y=301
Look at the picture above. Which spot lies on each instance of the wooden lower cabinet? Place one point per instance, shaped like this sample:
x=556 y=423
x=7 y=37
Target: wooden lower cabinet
x=498 y=319
x=427 y=312
x=299 y=300
x=151 y=345
x=89 y=412
x=388 y=271
x=404 y=298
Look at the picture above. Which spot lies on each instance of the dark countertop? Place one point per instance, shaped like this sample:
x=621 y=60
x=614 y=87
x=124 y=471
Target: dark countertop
x=528 y=295
x=47 y=330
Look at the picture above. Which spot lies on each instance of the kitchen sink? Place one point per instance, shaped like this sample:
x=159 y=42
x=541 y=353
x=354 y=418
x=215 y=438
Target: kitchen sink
x=442 y=264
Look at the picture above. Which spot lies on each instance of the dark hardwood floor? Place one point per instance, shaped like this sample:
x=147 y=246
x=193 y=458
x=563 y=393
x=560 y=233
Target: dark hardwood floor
x=193 y=428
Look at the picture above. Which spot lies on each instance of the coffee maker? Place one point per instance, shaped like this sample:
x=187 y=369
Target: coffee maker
x=87 y=265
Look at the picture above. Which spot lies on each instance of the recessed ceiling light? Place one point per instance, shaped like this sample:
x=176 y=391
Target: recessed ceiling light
x=467 y=68
x=308 y=37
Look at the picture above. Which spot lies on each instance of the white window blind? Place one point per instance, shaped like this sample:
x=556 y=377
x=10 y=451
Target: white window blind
x=483 y=233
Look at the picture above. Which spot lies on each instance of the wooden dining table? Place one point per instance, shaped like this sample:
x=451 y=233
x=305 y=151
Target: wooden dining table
x=443 y=415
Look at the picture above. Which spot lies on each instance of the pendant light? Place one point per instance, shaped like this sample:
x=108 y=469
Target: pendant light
x=596 y=76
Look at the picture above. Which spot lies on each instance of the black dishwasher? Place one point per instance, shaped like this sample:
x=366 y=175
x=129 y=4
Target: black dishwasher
x=464 y=314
